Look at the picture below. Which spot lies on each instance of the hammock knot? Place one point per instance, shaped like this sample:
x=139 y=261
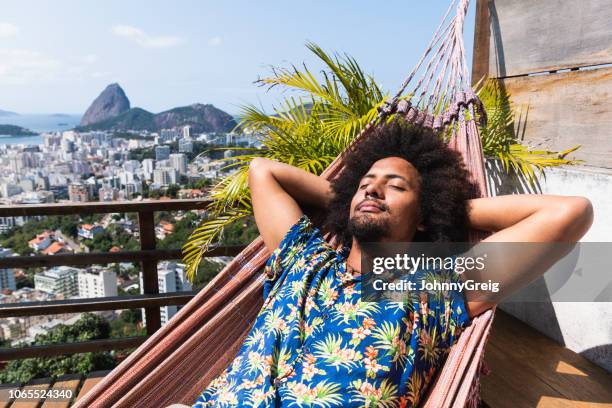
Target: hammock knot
x=387 y=108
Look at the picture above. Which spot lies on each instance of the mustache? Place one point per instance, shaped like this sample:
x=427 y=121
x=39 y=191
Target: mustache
x=379 y=204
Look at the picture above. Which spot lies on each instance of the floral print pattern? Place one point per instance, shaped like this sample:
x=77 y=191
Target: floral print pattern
x=316 y=343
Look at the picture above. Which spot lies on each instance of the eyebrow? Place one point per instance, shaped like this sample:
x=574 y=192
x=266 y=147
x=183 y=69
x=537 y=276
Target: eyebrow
x=389 y=177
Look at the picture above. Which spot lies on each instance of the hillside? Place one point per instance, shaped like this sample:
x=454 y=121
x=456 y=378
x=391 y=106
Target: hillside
x=201 y=118
x=12 y=130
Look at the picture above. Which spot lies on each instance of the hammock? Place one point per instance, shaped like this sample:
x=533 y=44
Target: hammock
x=199 y=342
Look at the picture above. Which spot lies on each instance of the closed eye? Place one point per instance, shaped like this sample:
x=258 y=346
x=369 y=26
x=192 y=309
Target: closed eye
x=398 y=188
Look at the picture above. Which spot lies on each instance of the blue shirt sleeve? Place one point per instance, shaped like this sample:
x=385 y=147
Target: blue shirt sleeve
x=301 y=240
x=453 y=316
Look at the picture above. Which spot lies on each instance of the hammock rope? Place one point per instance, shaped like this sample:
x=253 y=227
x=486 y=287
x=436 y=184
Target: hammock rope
x=198 y=343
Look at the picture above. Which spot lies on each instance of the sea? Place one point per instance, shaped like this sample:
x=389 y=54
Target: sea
x=37 y=123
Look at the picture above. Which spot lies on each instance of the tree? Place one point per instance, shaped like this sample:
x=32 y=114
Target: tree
x=88 y=327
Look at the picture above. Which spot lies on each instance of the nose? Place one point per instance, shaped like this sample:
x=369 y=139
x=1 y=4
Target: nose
x=374 y=190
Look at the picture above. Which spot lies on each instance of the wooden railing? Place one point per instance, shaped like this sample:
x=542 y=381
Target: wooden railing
x=148 y=256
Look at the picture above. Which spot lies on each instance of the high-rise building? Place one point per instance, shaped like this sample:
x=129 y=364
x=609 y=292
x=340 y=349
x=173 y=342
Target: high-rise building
x=164 y=176
x=185 y=146
x=97 y=282
x=7 y=275
x=178 y=161
x=162 y=152
x=148 y=165
x=61 y=280
x=170 y=278
x=168 y=135
x=187 y=132
x=78 y=192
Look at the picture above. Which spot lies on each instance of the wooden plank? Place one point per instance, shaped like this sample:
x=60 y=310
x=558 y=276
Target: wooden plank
x=528 y=370
x=150 y=283
x=7 y=354
x=66 y=385
x=533 y=36
x=37 y=384
x=102 y=207
x=92 y=379
x=567 y=109
x=5 y=395
x=94 y=304
x=102 y=258
x=482 y=35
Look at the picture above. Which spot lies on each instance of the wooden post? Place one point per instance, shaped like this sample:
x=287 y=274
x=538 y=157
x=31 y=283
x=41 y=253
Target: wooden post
x=482 y=37
x=149 y=269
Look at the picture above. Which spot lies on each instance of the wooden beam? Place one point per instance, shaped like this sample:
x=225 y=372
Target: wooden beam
x=103 y=258
x=7 y=354
x=94 y=304
x=482 y=35
x=150 y=284
x=102 y=207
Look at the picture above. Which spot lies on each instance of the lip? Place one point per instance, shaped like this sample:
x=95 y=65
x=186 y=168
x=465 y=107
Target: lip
x=369 y=206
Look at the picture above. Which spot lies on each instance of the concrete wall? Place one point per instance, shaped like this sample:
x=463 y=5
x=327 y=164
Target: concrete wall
x=585 y=328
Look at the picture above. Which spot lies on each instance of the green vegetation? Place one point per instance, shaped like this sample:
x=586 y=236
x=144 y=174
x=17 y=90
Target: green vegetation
x=129 y=135
x=88 y=327
x=18 y=237
x=112 y=236
x=12 y=130
x=129 y=324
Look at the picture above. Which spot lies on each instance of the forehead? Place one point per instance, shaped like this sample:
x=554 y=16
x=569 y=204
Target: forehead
x=394 y=166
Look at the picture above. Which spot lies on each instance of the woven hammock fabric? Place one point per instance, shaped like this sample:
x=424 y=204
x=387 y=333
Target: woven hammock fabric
x=198 y=343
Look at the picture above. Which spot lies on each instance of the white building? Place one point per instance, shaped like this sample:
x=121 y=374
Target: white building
x=164 y=176
x=148 y=165
x=61 y=280
x=178 y=161
x=97 y=283
x=187 y=132
x=170 y=278
x=7 y=275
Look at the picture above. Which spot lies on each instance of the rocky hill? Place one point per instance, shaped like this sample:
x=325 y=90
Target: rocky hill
x=111 y=103
x=200 y=117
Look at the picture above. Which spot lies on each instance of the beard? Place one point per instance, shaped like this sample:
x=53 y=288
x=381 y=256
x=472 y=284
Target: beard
x=369 y=229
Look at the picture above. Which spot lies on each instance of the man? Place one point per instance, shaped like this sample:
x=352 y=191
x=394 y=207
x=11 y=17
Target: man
x=315 y=342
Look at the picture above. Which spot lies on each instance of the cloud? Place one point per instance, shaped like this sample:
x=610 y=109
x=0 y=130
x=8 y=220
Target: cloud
x=215 y=41
x=8 y=30
x=143 y=39
x=89 y=59
x=99 y=74
x=18 y=66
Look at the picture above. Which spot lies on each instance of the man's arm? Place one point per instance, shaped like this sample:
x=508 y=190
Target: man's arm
x=278 y=192
x=527 y=218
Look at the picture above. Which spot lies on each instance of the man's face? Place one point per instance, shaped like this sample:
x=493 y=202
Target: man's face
x=386 y=204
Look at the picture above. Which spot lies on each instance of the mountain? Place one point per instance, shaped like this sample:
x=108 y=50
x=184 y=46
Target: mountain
x=12 y=130
x=201 y=118
x=7 y=113
x=111 y=103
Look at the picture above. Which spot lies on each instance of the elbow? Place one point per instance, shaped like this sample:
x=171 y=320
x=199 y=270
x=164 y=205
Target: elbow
x=258 y=167
x=577 y=215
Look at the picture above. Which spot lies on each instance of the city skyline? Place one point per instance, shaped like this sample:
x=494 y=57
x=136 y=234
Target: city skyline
x=56 y=58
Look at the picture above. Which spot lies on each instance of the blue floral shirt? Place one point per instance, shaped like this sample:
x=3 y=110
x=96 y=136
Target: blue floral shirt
x=315 y=342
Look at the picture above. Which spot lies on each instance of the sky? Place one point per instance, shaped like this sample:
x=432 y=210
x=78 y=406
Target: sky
x=56 y=57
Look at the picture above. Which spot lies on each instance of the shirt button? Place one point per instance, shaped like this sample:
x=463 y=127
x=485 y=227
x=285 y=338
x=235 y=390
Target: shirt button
x=305 y=350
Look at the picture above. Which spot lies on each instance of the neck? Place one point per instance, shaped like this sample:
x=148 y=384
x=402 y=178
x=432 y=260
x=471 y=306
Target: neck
x=354 y=257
